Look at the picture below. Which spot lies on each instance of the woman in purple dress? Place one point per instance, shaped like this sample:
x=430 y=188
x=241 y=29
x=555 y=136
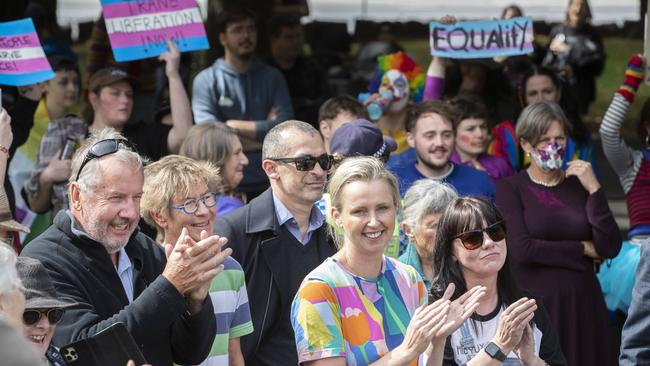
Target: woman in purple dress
x=559 y=228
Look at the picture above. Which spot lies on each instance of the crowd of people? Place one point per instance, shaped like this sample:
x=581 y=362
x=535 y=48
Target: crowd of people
x=262 y=220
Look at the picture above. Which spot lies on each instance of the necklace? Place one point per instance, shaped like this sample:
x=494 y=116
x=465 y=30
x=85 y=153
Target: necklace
x=542 y=183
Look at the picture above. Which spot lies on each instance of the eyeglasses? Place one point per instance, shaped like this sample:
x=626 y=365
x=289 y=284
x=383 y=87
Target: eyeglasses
x=474 y=239
x=31 y=317
x=307 y=163
x=191 y=205
x=103 y=148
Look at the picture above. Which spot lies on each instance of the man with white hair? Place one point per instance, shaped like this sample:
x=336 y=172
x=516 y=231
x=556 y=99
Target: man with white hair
x=96 y=256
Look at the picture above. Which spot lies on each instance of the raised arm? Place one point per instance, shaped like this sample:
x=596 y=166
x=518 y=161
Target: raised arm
x=622 y=158
x=180 y=103
x=6 y=136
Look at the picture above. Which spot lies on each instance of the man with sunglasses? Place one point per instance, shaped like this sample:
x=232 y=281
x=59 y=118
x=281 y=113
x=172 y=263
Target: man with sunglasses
x=96 y=256
x=180 y=198
x=279 y=237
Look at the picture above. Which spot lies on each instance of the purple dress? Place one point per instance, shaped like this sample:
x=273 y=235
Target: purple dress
x=545 y=227
x=496 y=167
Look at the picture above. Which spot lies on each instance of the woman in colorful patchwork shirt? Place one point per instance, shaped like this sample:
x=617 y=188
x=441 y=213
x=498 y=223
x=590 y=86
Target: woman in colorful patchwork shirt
x=360 y=307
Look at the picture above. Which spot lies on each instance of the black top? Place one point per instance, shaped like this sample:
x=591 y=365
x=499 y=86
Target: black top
x=149 y=138
x=279 y=347
x=22 y=121
x=308 y=88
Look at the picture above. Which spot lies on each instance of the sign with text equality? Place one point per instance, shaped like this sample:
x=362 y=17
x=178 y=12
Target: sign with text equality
x=22 y=60
x=482 y=39
x=137 y=29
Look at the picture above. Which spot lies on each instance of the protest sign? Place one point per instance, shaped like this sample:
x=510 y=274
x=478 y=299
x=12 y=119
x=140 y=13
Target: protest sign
x=482 y=39
x=137 y=29
x=22 y=60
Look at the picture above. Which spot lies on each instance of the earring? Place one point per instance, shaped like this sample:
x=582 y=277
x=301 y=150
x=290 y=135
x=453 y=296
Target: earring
x=647 y=140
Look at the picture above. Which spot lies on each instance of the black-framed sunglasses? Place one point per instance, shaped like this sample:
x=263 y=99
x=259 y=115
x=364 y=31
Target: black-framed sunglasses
x=307 y=163
x=474 y=239
x=103 y=148
x=31 y=317
x=191 y=205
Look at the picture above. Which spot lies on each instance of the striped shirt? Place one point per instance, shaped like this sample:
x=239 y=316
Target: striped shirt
x=632 y=169
x=625 y=160
x=231 y=310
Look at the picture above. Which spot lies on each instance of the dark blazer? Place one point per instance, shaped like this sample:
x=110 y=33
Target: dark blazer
x=253 y=234
x=82 y=270
x=635 y=340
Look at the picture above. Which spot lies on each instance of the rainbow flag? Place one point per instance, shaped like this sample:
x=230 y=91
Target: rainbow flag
x=137 y=29
x=22 y=60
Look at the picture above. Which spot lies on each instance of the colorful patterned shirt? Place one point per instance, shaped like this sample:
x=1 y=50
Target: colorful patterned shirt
x=338 y=314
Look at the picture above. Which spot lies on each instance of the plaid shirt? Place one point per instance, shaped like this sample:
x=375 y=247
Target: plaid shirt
x=58 y=131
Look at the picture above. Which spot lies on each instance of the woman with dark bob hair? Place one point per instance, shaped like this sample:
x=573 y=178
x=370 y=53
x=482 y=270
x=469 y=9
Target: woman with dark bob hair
x=507 y=325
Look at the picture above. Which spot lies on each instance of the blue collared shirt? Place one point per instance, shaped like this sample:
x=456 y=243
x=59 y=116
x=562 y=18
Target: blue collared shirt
x=285 y=218
x=124 y=266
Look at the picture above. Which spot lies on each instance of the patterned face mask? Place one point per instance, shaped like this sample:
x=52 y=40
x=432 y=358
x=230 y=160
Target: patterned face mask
x=549 y=157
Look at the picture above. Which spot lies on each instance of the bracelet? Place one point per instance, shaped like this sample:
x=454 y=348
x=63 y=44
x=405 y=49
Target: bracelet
x=4 y=150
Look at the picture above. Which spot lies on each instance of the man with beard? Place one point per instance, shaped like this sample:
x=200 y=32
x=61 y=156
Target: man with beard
x=431 y=134
x=97 y=258
x=243 y=93
x=279 y=237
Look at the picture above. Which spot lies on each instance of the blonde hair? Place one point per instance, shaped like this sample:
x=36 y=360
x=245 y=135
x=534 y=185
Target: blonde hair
x=173 y=176
x=359 y=169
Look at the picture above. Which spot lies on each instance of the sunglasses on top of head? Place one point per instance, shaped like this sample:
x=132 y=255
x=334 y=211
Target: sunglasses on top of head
x=474 y=239
x=307 y=163
x=103 y=148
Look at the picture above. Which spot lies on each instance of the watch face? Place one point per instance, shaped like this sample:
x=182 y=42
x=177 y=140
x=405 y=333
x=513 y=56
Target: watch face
x=494 y=351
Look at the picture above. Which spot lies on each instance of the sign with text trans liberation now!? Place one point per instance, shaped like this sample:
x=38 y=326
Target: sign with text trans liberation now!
x=482 y=39
x=22 y=60
x=137 y=29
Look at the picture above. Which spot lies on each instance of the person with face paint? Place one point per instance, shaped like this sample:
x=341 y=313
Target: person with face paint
x=471 y=125
x=398 y=80
x=559 y=229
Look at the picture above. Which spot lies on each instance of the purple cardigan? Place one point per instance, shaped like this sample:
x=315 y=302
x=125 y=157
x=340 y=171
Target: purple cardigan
x=495 y=166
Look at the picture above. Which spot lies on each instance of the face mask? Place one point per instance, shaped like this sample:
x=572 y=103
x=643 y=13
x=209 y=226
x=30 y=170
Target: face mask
x=549 y=157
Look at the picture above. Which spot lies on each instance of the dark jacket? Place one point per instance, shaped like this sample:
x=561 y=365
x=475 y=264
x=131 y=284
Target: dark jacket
x=635 y=339
x=82 y=270
x=253 y=234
